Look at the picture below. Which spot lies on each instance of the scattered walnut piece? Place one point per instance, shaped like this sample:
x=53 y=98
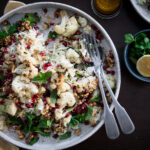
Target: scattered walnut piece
x=110 y=62
x=77 y=131
x=46 y=25
x=7 y=40
x=20 y=134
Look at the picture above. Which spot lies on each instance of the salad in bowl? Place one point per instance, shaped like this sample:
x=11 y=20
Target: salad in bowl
x=48 y=86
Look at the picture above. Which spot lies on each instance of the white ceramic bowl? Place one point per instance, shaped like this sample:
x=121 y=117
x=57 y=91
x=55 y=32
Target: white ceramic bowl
x=87 y=131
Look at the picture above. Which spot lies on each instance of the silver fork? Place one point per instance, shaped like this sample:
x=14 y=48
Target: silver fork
x=124 y=120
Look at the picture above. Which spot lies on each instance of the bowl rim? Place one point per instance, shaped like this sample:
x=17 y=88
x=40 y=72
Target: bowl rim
x=127 y=63
x=30 y=6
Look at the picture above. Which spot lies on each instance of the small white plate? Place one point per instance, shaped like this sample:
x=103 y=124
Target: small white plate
x=141 y=10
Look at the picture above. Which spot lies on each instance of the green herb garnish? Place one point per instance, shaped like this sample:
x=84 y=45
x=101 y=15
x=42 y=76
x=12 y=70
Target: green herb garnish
x=1 y=77
x=140 y=46
x=13 y=121
x=52 y=35
x=34 y=140
x=65 y=136
x=53 y=96
x=89 y=112
x=32 y=17
x=42 y=77
x=96 y=96
x=44 y=123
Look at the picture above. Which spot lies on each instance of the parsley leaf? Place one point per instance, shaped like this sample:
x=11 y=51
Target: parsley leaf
x=89 y=112
x=13 y=121
x=65 y=136
x=74 y=122
x=44 y=123
x=29 y=122
x=129 y=38
x=53 y=96
x=42 y=77
x=3 y=34
x=52 y=35
x=96 y=96
x=12 y=29
x=34 y=140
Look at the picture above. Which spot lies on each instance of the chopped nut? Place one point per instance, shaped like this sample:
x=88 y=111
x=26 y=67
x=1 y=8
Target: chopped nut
x=7 y=40
x=110 y=62
x=77 y=131
x=46 y=25
x=20 y=134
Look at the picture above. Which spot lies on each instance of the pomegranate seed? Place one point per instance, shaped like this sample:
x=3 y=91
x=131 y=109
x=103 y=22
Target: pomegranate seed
x=42 y=53
x=111 y=72
x=2 y=101
x=35 y=134
x=45 y=68
x=105 y=67
x=12 y=37
x=28 y=46
x=55 y=136
x=83 y=106
x=28 y=105
x=5 y=50
x=52 y=23
x=36 y=27
x=65 y=43
x=52 y=110
x=10 y=91
x=24 y=122
x=46 y=43
x=45 y=10
x=37 y=96
x=57 y=106
x=49 y=64
x=9 y=43
x=86 y=122
x=33 y=99
x=45 y=102
x=58 y=66
x=19 y=36
x=67 y=115
x=13 y=56
x=56 y=15
x=111 y=55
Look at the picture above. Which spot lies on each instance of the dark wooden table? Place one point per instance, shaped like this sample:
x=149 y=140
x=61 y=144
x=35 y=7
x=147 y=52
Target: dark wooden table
x=134 y=94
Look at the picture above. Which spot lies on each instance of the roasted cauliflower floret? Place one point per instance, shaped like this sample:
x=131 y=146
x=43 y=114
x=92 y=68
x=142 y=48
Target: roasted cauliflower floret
x=82 y=21
x=22 y=86
x=87 y=29
x=86 y=84
x=11 y=108
x=68 y=25
x=63 y=88
x=73 y=56
x=66 y=99
x=111 y=80
x=59 y=114
x=27 y=70
x=67 y=120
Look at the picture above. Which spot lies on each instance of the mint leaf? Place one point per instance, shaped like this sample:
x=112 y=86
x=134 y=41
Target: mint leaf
x=96 y=96
x=42 y=77
x=53 y=96
x=52 y=35
x=65 y=136
x=3 y=34
x=34 y=140
x=129 y=38
x=29 y=122
x=12 y=29
x=89 y=112
x=44 y=123
x=74 y=122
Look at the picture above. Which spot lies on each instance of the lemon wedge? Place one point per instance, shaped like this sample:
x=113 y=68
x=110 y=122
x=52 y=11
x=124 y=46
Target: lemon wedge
x=143 y=65
x=12 y=5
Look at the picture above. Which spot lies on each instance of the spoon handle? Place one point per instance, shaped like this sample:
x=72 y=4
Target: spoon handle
x=124 y=120
x=110 y=122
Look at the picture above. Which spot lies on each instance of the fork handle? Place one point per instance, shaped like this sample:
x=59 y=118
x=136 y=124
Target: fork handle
x=124 y=120
x=110 y=122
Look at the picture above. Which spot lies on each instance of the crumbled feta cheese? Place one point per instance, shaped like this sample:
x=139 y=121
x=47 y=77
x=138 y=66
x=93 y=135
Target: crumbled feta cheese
x=40 y=105
x=11 y=108
x=111 y=80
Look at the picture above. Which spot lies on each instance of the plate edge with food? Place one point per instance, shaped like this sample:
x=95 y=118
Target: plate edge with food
x=64 y=6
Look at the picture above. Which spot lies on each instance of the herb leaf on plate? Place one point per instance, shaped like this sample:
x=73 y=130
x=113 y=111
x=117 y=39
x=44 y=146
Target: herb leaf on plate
x=65 y=136
x=42 y=77
x=96 y=96
x=52 y=35
x=53 y=96
x=34 y=140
